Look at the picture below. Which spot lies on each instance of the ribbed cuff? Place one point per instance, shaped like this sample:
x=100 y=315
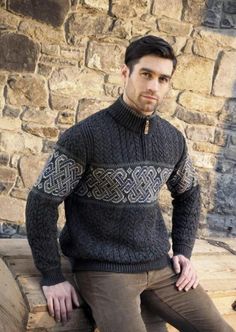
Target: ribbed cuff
x=52 y=277
x=180 y=249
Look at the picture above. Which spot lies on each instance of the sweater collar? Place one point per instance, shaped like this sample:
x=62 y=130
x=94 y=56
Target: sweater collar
x=130 y=119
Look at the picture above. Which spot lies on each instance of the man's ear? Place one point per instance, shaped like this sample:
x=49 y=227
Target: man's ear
x=124 y=71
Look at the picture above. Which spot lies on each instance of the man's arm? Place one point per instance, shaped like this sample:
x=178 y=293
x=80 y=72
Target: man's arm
x=185 y=192
x=59 y=177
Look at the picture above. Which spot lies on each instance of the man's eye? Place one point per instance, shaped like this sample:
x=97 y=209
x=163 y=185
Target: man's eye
x=146 y=75
x=163 y=79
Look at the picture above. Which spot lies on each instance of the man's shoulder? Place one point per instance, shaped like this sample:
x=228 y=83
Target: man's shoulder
x=169 y=127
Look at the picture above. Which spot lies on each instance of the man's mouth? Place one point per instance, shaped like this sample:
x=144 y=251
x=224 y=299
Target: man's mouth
x=150 y=97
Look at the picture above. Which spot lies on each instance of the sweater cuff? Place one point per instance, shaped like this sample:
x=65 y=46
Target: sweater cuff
x=181 y=249
x=52 y=277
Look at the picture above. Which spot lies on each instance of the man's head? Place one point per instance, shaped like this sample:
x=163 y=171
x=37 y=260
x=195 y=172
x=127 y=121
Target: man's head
x=149 y=64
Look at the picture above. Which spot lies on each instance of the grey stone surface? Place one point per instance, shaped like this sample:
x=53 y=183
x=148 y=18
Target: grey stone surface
x=11 y=112
x=52 y=12
x=18 y=53
x=230 y=7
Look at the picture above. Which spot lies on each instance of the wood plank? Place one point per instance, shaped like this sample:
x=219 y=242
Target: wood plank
x=12 y=307
x=220 y=266
x=43 y=320
x=26 y=267
x=14 y=248
x=202 y=247
x=33 y=295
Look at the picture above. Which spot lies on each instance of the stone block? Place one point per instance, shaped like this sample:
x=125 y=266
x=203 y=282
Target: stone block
x=26 y=91
x=203 y=160
x=7 y=174
x=50 y=49
x=14 y=164
x=230 y=153
x=66 y=117
x=57 y=61
x=172 y=8
x=221 y=39
x=195 y=117
x=42 y=10
x=44 y=69
x=8 y=21
x=204 y=49
x=199 y=69
x=88 y=107
x=228 y=21
x=130 y=8
x=200 y=133
x=112 y=91
x=193 y=11
x=33 y=144
x=12 y=209
x=48 y=146
x=62 y=102
x=40 y=130
x=233 y=139
x=179 y=45
x=20 y=193
x=97 y=56
x=98 y=4
x=174 y=28
x=5 y=187
x=225 y=85
x=4 y=158
x=206 y=147
x=127 y=29
x=200 y=103
x=10 y=124
x=231 y=112
x=72 y=81
x=41 y=32
x=11 y=142
x=18 y=53
x=11 y=112
x=77 y=54
x=86 y=24
x=44 y=116
x=30 y=167
x=221 y=137
x=229 y=7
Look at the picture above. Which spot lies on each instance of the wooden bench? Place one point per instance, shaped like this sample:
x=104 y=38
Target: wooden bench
x=23 y=307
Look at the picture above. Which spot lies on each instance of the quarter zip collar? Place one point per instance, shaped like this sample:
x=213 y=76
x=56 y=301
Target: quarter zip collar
x=130 y=119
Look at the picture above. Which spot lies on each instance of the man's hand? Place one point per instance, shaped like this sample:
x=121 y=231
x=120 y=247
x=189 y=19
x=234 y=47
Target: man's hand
x=60 y=299
x=188 y=276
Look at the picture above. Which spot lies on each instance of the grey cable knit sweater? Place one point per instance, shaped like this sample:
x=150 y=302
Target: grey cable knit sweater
x=108 y=170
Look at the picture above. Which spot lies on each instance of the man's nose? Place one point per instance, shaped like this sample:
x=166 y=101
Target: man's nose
x=153 y=85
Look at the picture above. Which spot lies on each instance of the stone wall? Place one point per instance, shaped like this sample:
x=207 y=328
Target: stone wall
x=59 y=63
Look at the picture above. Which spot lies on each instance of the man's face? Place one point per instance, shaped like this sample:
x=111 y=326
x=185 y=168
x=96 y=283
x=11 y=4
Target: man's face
x=148 y=83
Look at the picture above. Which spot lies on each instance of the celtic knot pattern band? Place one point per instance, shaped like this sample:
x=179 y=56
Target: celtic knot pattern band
x=184 y=179
x=140 y=184
x=60 y=175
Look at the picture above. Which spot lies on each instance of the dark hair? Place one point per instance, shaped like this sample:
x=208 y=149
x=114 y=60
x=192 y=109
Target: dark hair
x=148 y=45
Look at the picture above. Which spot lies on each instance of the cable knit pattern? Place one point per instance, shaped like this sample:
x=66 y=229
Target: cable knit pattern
x=109 y=172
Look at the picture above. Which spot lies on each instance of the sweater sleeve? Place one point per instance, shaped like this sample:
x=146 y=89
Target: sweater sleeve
x=60 y=176
x=185 y=192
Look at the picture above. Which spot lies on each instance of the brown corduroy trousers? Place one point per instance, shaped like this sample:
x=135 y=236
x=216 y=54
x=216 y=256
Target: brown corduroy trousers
x=143 y=302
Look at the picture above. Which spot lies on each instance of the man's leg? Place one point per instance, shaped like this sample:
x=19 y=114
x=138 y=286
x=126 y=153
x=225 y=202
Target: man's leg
x=114 y=299
x=191 y=311
x=152 y=321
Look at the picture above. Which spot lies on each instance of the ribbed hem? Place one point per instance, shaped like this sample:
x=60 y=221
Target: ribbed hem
x=180 y=249
x=52 y=277
x=81 y=265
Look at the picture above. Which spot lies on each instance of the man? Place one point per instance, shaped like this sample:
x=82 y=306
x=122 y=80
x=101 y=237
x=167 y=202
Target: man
x=108 y=170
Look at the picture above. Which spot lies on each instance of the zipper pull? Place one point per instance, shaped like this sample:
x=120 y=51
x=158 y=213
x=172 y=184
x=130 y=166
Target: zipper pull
x=146 y=129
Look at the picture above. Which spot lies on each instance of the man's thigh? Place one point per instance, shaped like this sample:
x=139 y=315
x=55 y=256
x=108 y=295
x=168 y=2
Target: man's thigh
x=191 y=311
x=114 y=299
